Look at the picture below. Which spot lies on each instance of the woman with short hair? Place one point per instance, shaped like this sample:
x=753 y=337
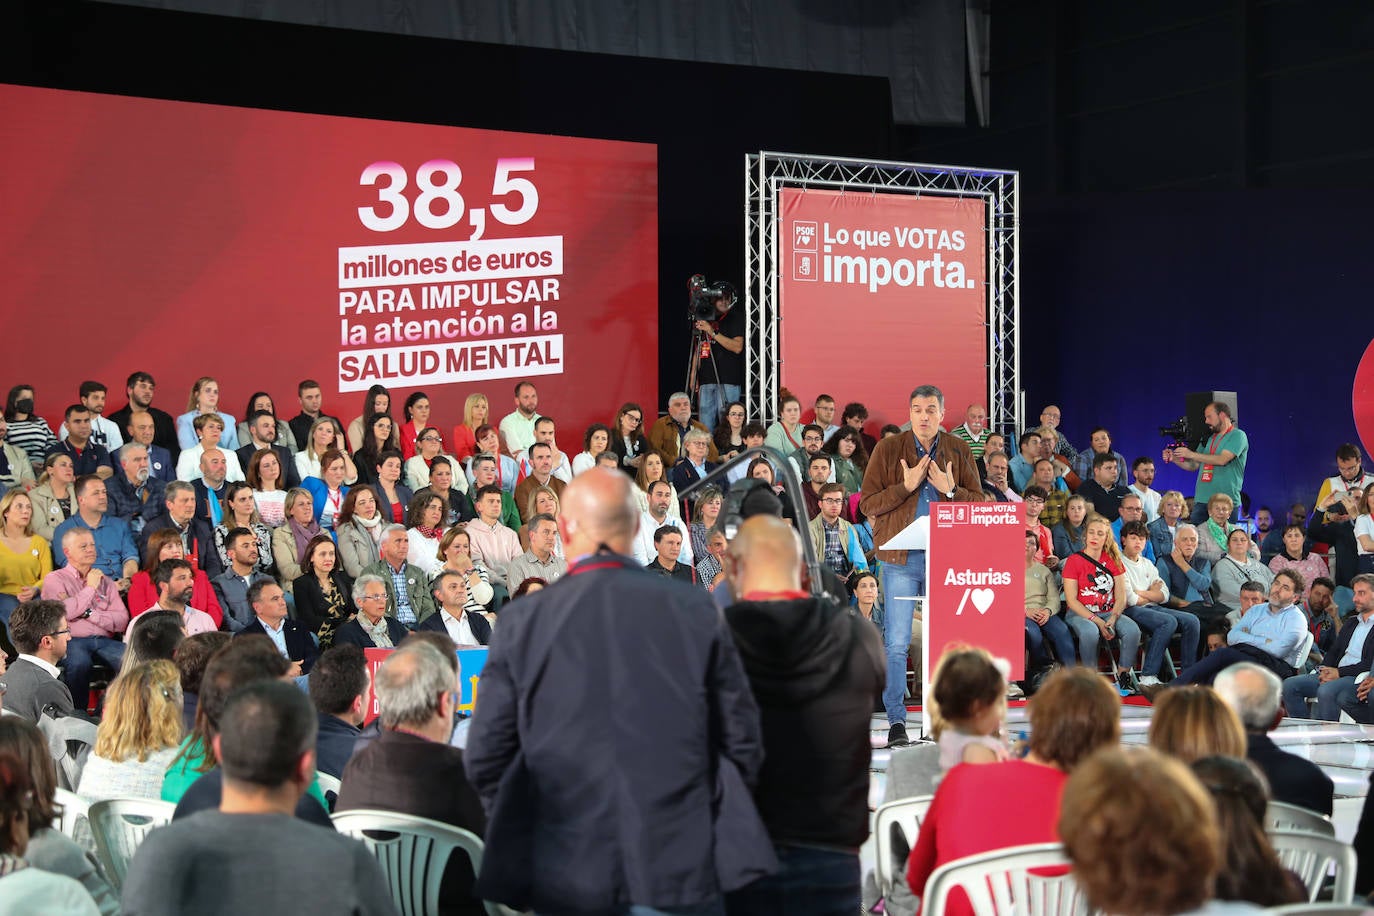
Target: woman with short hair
x=425 y=521
x=290 y=540
x=1296 y=556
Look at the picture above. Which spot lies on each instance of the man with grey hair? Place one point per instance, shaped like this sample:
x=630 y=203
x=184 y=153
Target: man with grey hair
x=411 y=768
x=539 y=561
x=134 y=494
x=407 y=588
x=668 y=435
x=1253 y=692
x=906 y=475
x=465 y=626
x=179 y=512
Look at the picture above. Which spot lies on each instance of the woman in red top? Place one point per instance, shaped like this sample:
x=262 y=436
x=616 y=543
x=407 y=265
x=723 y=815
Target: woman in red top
x=417 y=418
x=165 y=544
x=1095 y=594
x=979 y=808
x=475 y=411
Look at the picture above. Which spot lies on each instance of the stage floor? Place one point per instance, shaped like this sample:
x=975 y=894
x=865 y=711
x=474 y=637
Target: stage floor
x=1344 y=751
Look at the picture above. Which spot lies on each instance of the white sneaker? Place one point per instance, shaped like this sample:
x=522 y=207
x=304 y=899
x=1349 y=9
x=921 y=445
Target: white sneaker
x=1014 y=692
x=1148 y=680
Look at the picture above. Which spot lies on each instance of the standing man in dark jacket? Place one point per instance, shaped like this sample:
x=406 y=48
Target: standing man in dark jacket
x=815 y=670
x=620 y=696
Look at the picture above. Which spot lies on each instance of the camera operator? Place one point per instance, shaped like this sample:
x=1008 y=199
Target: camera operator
x=722 y=368
x=1221 y=468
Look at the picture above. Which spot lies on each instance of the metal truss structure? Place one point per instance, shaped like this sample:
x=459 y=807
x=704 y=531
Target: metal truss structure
x=766 y=173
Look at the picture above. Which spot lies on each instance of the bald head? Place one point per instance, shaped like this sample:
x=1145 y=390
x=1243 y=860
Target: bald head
x=598 y=508
x=765 y=556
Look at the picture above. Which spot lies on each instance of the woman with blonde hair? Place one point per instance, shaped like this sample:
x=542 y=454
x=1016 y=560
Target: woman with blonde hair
x=1095 y=596
x=1193 y=722
x=325 y=434
x=475 y=412
x=290 y=540
x=25 y=557
x=139 y=733
x=204 y=399
x=54 y=497
x=1163 y=529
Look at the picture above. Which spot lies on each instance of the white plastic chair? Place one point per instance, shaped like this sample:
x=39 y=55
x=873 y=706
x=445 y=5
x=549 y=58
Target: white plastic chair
x=1312 y=857
x=1000 y=883
x=120 y=825
x=1320 y=909
x=413 y=852
x=329 y=785
x=1283 y=816
x=905 y=815
x=72 y=808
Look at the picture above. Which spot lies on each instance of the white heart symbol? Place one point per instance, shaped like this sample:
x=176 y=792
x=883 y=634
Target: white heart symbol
x=982 y=599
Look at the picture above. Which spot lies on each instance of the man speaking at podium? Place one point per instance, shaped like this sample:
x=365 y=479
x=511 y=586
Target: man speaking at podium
x=907 y=474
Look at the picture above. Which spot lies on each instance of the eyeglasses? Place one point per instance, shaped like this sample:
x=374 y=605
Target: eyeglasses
x=429 y=439
x=634 y=419
x=374 y=597
x=66 y=632
x=1035 y=499
x=812 y=439
x=835 y=501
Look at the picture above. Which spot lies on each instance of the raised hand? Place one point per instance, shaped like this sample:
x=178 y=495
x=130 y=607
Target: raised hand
x=912 y=477
x=943 y=478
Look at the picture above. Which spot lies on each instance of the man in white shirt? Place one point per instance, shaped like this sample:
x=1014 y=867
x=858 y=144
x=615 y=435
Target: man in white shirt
x=1146 y=594
x=660 y=497
x=517 y=427
x=292 y=640
x=1342 y=683
x=1143 y=473
x=104 y=433
x=451 y=595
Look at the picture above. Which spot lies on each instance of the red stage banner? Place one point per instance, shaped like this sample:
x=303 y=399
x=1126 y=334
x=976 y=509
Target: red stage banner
x=264 y=247
x=976 y=581
x=471 y=661
x=880 y=293
x=374 y=657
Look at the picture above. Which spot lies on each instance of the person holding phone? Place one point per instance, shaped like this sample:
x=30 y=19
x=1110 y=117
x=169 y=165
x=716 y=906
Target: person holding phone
x=1095 y=594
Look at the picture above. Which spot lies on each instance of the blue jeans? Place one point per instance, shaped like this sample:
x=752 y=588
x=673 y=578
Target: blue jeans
x=1332 y=697
x=1057 y=632
x=711 y=400
x=81 y=656
x=1087 y=634
x=1189 y=628
x=809 y=882
x=899 y=584
x=1161 y=626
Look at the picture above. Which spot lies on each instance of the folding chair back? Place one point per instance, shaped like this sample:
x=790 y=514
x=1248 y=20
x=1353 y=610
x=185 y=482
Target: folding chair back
x=1283 y=816
x=895 y=826
x=1001 y=882
x=120 y=825
x=1312 y=857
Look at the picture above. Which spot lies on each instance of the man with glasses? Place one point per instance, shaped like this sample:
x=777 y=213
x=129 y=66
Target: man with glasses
x=1034 y=498
x=837 y=545
x=813 y=437
x=39 y=631
x=1132 y=510
x=95 y=613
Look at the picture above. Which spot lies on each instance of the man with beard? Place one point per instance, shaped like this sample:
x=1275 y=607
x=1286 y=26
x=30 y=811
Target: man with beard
x=1220 y=466
x=140 y=388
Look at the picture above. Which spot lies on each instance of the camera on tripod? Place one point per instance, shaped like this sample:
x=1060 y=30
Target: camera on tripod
x=702 y=298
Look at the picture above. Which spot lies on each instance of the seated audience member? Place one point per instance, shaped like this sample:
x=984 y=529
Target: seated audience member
x=456 y=549
x=1021 y=467
x=1163 y=528
x=327 y=492
x=855 y=415
x=484 y=467
x=266 y=750
x=430 y=445
x=997 y=484
x=143 y=430
x=1272 y=544
x=1153 y=851
x=25 y=557
x=290 y=540
x=540 y=560
x=140 y=388
x=1099 y=444
x=540 y=474
x=29 y=432
x=815 y=671
x=994 y=443
x=816 y=474
x=1095 y=594
x=204 y=401
x=191 y=657
x=505 y=473
x=415 y=413
x=153 y=637
x=341 y=690
x=211 y=487
x=1056 y=499
x=728 y=435
x=231 y=586
x=654 y=517
x=450 y=591
x=377 y=430
x=210 y=434
x=54 y=498
x=196 y=534
x=974 y=430
x=545 y=432
x=1143 y=475
x=981 y=808
x=846 y=451
x=627 y=440
x=1061 y=468
x=813 y=442
x=1254 y=693
x=291 y=639
x=1193 y=722
x=376 y=401
x=265 y=478
x=476 y=410
x=1239 y=566
x=711 y=568
x=667 y=547
x=836 y=544
x=1364 y=532
x=1296 y=554
x=667 y=436
x=1043 y=620
x=425 y=529
x=16 y=471
x=40 y=632
x=968 y=707
x=1102 y=490
x=140 y=730
x=412 y=768
x=261 y=429
x=1068 y=534
x=88 y=458
x=1189 y=577
x=493 y=544
x=517 y=427
x=372 y=627
x=1146 y=595
x=323 y=592
x=1270 y=634
x=358 y=528
x=145 y=592
x=29 y=823
x=116 y=554
x=753 y=438
x=705 y=515
x=96 y=615
x=1034 y=499
x=408 y=597
x=694 y=466
x=133 y=494
x=326 y=435
x=392 y=496
x=1350 y=477
x=1251 y=871
x=1132 y=511
x=239 y=510
x=458 y=507
x=1212 y=533
x=1338 y=683
x=1337 y=529
x=650 y=473
x=1323 y=614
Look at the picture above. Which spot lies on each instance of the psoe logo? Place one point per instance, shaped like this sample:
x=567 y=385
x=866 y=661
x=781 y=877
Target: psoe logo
x=803 y=235
x=944 y=516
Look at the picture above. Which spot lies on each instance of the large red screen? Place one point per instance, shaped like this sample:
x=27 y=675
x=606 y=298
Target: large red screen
x=265 y=247
x=880 y=293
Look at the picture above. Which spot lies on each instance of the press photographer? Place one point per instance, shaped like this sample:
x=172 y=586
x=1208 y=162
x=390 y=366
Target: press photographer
x=717 y=347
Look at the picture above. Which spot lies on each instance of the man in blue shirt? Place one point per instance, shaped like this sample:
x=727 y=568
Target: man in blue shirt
x=1344 y=668
x=116 y=554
